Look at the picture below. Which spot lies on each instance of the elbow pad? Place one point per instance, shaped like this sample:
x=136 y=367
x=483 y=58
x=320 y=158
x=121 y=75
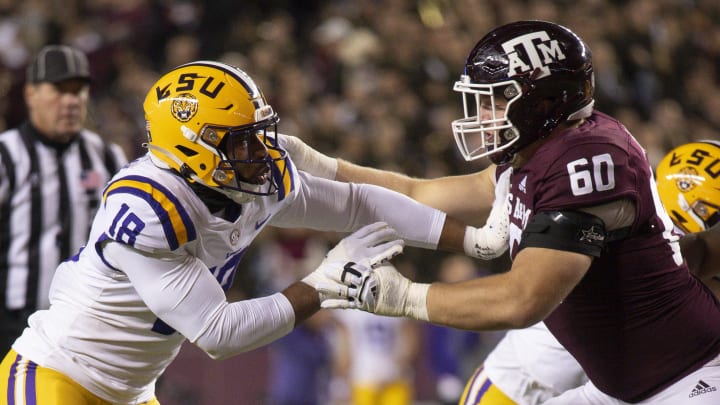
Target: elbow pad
x=491 y=240
x=487 y=242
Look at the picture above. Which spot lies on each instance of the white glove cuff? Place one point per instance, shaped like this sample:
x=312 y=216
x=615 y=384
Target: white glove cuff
x=416 y=304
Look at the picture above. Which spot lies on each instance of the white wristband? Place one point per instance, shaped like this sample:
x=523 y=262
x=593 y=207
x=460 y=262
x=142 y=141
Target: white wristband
x=416 y=304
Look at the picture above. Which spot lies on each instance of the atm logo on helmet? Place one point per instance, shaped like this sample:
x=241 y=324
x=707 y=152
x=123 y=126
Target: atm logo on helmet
x=539 y=52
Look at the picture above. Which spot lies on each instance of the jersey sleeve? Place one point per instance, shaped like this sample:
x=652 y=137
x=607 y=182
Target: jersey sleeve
x=181 y=291
x=587 y=175
x=146 y=215
x=329 y=205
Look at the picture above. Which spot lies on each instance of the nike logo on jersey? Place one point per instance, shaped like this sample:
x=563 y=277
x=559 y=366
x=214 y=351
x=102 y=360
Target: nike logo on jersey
x=261 y=222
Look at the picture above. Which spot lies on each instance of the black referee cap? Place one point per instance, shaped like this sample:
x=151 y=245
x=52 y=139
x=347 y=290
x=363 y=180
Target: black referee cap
x=55 y=63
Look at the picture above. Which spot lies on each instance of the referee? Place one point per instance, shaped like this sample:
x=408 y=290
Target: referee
x=52 y=172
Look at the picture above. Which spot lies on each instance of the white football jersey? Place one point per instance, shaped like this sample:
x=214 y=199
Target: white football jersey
x=102 y=329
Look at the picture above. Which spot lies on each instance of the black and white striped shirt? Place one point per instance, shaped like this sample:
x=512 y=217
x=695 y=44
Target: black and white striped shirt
x=49 y=194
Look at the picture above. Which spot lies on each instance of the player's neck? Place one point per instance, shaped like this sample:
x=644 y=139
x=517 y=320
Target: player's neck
x=526 y=154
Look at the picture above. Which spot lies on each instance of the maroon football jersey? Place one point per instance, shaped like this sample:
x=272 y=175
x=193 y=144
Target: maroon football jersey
x=638 y=321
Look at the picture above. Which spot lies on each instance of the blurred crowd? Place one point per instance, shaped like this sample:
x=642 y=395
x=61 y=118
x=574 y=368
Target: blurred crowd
x=369 y=81
x=372 y=81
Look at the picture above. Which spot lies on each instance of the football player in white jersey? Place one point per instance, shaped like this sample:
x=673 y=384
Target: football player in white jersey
x=168 y=237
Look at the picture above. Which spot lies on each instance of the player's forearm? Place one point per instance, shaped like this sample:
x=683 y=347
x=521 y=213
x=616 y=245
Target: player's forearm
x=304 y=300
x=468 y=197
x=537 y=282
x=487 y=303
x=350 y=172
x=246 y=325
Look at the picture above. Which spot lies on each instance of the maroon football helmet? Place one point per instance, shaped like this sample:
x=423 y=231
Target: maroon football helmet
x=520 y=81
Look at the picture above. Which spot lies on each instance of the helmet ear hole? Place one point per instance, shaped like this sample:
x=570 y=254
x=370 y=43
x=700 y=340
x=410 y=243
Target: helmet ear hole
x=510 y=92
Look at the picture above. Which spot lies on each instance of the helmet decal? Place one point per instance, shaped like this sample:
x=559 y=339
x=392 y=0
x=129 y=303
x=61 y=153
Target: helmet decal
x=686 y=179
x=184 y=107
x=538 y=51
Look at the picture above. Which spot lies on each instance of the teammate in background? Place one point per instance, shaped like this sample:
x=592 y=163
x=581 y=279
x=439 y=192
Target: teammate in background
x=688 y=180
x=52 y=171
x=375 y=356
x=593 y=250
x=169 y=233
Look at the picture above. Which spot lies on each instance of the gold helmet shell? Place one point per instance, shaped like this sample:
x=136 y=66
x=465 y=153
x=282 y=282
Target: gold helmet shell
x=688 y=180
x=194 y=109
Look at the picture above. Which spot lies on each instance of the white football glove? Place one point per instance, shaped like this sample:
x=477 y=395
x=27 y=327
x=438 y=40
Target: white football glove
x=368 y=247
x=382 y=291
x=308 y=159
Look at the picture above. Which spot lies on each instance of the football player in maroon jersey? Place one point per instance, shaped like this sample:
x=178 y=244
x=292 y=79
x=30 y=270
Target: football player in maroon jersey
x=594 y=253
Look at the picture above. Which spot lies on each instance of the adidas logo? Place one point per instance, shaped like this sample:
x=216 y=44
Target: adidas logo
x=521 y=186
x=701 y=388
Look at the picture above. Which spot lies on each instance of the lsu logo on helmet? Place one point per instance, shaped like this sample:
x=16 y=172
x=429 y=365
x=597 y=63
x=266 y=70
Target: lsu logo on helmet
x=688 y=182
x=184 y=107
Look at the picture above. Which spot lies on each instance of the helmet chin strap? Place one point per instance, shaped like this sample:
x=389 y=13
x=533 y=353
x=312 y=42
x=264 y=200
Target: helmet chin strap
x=237 y=196
x=241 y=197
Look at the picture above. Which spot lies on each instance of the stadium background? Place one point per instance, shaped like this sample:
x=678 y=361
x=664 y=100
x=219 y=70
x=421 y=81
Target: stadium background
x=370 y=81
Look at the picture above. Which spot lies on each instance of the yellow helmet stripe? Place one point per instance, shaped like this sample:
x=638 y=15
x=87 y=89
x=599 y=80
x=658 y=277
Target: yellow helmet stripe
x=176 y=222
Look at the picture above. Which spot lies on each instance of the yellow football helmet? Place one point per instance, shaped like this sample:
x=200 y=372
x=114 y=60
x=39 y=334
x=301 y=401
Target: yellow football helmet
x=688 y=180
x=210 y=122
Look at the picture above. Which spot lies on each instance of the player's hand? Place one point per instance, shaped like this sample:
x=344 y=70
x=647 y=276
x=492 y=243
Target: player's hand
x=383 y=291
x=338 y=275
x=308 y=159
x=370 y=246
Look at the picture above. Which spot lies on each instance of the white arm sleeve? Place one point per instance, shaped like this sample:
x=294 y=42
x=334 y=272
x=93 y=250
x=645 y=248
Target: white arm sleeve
x=308 y=159
x=335 y=206
x=182 y=292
